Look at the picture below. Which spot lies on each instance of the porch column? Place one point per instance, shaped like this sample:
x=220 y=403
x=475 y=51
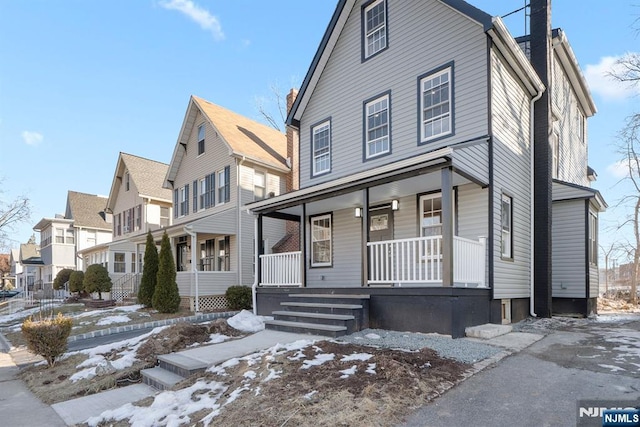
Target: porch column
x=365 y=237
x=447 y=227
x=303 y=246
x=259 y=249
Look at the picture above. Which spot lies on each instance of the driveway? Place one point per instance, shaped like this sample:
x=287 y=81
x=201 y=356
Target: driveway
x=543 y=384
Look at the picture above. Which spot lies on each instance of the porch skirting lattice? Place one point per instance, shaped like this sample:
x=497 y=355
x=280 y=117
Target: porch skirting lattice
x=207 y=302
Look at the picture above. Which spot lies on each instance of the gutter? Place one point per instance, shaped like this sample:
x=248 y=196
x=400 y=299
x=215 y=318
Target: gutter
x=531 y=200
x=256 y=279
x=194 y=265
x=239 y=163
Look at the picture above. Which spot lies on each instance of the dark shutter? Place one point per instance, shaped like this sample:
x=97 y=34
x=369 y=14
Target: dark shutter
x=212 y=189
x=175 y=203
x=227 y=190
x=186 y=199
x=195 y=196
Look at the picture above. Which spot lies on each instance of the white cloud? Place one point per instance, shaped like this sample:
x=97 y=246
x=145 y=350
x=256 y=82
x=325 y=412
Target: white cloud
x=32 y=138
x=600 y=81
x=197 y=14
x=619 y=169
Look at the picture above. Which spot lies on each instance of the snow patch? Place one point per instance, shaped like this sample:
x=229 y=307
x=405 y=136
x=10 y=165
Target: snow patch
x=246 y=321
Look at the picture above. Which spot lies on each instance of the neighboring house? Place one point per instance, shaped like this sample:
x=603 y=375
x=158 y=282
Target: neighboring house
x=137 y=204
x=221 y=161
x=26 y=266
x=419 y=148
x=84 y=225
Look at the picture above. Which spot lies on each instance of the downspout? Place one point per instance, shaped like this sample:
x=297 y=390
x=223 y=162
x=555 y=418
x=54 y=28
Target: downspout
x=239 y=232
x=194 y=264
x=531 y=201
x=255 y=268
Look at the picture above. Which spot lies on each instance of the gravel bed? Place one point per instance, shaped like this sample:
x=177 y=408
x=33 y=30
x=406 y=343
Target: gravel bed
x=460 y=349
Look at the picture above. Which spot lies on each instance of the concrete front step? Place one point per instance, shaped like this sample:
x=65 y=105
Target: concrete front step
x=306 y=328
x=160 y=378
x=325 y=316
x=331 y=296
x=181 y=364
x=320 y=307
x=317 y=318
x=487 y=331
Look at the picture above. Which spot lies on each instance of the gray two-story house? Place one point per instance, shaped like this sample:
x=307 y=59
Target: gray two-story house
x=417 y=171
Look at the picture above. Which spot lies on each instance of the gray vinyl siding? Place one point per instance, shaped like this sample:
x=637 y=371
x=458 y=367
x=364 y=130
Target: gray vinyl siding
x=568 y=262
x=474 y=160
x=405 y=220
x=573 y=155
x=511 y=166
x=193 y=167
x=423 y=35
x=347 y=260
x=473 y=214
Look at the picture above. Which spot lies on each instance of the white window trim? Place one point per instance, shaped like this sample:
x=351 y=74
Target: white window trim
x=593 y=238
x=204 y=148
x=202 y=184
x=315 y=130
x=220 y=184
x=330 y=262
x=369 y=32
x=182 y=193
x=432 y=76
x=509 y=233
x=263 y=186
x=369 y=143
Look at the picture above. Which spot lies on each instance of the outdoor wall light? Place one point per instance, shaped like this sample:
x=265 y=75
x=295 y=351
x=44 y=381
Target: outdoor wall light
x=395 y=205
x=358 y=213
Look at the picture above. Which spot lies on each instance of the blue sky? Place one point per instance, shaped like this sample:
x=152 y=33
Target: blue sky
x=82 y=80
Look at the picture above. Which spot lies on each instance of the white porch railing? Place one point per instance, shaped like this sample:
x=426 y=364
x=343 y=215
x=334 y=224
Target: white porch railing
x=419 y=261
x=281 y=269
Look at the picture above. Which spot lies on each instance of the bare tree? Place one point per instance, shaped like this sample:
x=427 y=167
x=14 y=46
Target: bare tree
x=12 y=213
x=275 y=115
x=608 y=251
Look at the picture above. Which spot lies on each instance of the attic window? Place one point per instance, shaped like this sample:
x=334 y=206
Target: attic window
x=200 y=139
x=126 y=181
x=374 y=27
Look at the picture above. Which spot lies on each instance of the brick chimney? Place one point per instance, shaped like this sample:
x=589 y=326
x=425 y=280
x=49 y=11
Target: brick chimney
x=541 y=61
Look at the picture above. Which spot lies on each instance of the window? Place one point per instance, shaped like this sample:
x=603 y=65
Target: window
x=118 y=224
x=127 y=221
x=321 y=148
x=195 y=196
x=204 y=202
x=223 y=185
x=374 y=24
x=224 y=260
x=138 y=225
x=59 y=235
x=176 y=211
x=376 y=119
x=593 y=238
x=164 y=216
x=126 y=181
x=91 y=238
x=133 y=262
x=259 y=185
x=555 y=149
x=580 y=124
x=184 y=200
x=200 y=139
x=207 y=255
x=70 y=237
x=321 y=241
x=435 y=105
x=506 y=227
x=119 y=264
x=140 y=263
x=431 y=215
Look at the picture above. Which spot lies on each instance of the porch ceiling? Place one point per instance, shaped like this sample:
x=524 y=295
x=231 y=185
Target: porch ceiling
x=379 y=194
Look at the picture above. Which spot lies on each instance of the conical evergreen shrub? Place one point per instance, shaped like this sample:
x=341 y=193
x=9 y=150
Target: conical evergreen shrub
x=149 y=273
x=166 y=298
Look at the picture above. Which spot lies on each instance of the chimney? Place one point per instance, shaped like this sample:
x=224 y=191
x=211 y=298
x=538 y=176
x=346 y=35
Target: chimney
x=541 y=60
x=293 y=179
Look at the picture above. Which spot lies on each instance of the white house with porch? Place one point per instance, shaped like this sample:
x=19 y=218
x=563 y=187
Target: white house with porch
x=422 y=173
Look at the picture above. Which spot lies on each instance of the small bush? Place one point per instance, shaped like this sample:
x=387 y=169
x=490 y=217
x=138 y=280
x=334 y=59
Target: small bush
x=61 y=278
x=149 y=273
x=166 y=296
x=239 y=297
x=96 y=279
x=47 y=338
x=75 y=282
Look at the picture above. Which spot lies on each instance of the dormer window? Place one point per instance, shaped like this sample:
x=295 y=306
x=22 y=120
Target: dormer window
x=201 y=139
x=374 y=27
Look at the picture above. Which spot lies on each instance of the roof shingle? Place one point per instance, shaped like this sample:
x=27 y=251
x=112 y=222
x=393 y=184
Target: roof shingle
x=85 y=210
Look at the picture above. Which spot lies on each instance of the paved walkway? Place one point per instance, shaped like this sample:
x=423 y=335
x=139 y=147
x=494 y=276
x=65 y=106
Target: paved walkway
x=78 y=410
x=18 y=406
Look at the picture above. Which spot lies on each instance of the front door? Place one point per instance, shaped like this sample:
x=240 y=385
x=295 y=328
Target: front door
x=380 y=224
x=381 y=229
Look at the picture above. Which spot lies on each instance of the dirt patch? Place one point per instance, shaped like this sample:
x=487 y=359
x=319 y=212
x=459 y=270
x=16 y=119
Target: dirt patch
x=54 y=385
x=619 y=302
x=379 y=389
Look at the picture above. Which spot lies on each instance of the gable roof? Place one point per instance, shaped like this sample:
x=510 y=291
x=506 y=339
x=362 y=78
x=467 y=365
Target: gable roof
x=84 y=209
x=244 y=137
x=30 y=254
x=147 y=175
x=332 y=33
